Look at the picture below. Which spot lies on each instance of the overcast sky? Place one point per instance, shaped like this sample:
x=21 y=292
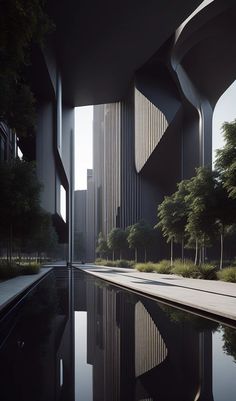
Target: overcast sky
x=83 y=145
x=225 y=111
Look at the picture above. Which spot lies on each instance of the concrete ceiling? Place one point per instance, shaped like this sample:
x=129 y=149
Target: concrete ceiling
x=100 y=44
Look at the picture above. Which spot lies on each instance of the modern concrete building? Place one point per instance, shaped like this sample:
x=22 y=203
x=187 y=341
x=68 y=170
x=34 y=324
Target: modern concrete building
x=133 y=343
x=124 y=136
x=90 y=221
x=160 y=131
x=8 y=143
x=51 y=143
x=159 y=68
x=80 y=225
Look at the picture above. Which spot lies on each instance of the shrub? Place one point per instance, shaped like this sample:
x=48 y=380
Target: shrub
x=227 y=274
x=207 y=271
x=101 y=262
x=30 y=268
x=115 y=263
x=125 y=263
x=145 y=267
x=8 y=270
x=163 y=267
x=186 y=269
x=109 y=263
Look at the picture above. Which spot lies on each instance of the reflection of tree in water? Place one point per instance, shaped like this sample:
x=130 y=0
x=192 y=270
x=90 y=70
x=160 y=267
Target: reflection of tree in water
x=229 y=338
x=28 y=354
x=197 y=322
x=40 y=309
x=179 y=316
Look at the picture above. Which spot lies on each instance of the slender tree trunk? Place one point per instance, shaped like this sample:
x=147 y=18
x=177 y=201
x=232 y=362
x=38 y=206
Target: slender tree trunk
x=171 y=251
x=7 y=244
x=145 y=255
x=113 y=255
x=10 y=244
x=196 y=252
x=182 y=249
x=120 y=255
x=221 y=249
x=203 y=254
x=200 y=255
x=136 y=255
x=203 y=251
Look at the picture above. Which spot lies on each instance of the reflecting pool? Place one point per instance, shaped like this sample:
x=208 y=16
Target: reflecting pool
x=77 y=338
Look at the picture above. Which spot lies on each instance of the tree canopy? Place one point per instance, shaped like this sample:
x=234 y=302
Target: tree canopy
x=140 y=235
x=22 y=23
x=173 y=213
x=19 y=201
x=226 y=158
x=102 y=248
x=117 y=240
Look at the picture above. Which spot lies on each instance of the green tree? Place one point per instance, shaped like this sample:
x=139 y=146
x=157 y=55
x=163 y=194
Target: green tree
x=22 y=23
x=225 y=214
x=44 y=238
x=211 y=213
x=173 y=214
x=19 y=201
x=140 y=235
x=226 y=158
x=102 y=248
x=117 y=241
x=229 y=338
x=201 y=227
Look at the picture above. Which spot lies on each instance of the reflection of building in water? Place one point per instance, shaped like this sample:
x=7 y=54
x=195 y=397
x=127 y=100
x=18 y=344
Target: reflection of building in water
x=139 y=353
x=35 y=344
x=148 y=354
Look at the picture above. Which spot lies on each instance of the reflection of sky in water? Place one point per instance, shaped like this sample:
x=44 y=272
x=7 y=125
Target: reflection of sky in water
x=83 y=371
x=224 y=371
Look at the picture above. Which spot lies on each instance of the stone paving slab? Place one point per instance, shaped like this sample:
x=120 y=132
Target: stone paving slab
x=12 y=288
x=215 y=297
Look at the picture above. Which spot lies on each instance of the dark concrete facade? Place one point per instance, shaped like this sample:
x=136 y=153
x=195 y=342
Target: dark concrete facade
x=180 y=59
x=126 y=364
x=164 y=119
x=50 y=145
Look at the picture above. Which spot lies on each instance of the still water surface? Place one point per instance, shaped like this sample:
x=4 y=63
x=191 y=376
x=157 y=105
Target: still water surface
x=77 y=338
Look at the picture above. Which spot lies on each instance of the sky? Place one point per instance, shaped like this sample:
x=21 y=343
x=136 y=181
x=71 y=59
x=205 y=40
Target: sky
x=83 y=145
x=225 y=110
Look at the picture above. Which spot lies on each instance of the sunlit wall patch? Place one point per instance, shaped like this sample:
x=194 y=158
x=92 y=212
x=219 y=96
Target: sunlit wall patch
x=63 y=202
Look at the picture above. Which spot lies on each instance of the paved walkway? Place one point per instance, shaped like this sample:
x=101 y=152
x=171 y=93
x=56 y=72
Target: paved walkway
x=216 y=297
x=10 y=289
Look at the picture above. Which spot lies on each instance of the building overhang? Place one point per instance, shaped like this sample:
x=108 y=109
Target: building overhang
x=100 y=44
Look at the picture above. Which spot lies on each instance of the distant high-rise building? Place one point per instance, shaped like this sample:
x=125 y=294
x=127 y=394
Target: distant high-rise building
x=90 y=221
x=124 y=135
x=80 y=198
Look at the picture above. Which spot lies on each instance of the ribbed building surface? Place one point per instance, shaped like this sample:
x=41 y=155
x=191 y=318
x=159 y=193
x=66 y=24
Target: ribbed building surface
x=80 y=224
x=106 y=151
x=131 y=186
x=90 y=219
x=8 y=145
x=121 y=195
x=150 y=125
x=150 y=348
